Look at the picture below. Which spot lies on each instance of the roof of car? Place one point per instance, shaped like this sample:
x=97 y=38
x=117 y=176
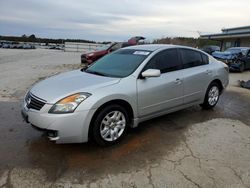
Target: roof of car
x=239 y=48
x=154 y=47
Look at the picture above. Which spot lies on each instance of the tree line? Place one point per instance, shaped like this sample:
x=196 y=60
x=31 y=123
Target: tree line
x=33 y=38
x=192 y=42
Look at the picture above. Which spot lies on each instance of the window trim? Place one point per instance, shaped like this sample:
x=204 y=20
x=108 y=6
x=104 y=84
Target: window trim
x=178 y=55
x=201 y=53
x=178 y=49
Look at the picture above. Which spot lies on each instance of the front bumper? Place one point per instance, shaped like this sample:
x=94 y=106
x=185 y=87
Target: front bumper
x=62 y=128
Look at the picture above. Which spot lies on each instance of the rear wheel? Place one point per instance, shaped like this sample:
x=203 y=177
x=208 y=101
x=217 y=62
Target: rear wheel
x=212 y=96
x=110 y=125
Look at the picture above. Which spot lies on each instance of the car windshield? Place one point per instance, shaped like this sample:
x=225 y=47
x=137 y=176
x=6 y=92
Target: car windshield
x=119 y=64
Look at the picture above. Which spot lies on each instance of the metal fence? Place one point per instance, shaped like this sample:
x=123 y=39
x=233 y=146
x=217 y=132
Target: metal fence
x=68 y=46
x=80 y=47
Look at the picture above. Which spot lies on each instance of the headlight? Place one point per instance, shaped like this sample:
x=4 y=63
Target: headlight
x=68 y=104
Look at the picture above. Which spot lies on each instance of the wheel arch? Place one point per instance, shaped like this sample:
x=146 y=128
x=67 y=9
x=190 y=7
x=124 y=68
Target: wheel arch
x=218 y=81
x=122 y=103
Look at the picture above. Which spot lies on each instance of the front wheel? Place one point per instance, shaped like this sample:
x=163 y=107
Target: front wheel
x=212 y=96
x=110 y=125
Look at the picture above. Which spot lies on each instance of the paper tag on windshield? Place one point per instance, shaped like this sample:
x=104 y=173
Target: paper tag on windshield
x=141 y=53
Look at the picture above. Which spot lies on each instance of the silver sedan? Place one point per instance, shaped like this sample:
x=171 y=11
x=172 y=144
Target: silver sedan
x=122 y=89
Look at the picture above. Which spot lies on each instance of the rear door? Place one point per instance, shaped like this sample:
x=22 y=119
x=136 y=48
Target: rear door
x=161 y=93
x=196 y=74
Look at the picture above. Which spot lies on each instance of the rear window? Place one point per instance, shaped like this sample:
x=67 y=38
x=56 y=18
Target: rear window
x=205 y=59
x=192 y=58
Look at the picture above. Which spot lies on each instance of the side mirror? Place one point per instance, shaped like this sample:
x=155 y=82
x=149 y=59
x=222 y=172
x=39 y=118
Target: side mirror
x=151 y=73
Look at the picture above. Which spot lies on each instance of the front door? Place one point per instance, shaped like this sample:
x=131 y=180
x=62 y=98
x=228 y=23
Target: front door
x=161 y=93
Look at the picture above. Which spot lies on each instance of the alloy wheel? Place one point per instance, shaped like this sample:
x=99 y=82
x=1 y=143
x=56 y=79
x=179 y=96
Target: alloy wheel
x=112 y=126
x=213 y=95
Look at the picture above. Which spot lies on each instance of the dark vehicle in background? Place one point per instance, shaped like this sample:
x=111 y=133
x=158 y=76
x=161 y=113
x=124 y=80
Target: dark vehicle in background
x=28 y=46
x=56 y=47
x=242 y=62
x=14 y=45
x=91 y=57
x=9 y=44
x=230 y=55
x=20 y=46
x=17 y=45
x=210 y=49
x=6 y=45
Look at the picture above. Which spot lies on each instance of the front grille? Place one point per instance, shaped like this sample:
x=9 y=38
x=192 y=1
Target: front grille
x=34 y=102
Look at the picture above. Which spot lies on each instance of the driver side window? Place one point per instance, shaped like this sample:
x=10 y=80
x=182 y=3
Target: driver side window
x=165 y=61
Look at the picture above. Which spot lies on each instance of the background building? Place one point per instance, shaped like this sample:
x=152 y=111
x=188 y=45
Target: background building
x=231 y=37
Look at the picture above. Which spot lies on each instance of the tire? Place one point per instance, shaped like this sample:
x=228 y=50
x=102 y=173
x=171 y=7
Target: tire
x=212 y=96
x=106 y=129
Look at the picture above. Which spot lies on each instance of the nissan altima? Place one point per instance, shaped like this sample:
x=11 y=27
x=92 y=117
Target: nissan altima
x=122 y=89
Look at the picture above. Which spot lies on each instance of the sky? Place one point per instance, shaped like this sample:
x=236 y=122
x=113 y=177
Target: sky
x=118 y=20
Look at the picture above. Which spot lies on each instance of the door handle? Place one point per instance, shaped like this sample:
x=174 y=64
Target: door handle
x=177 y=81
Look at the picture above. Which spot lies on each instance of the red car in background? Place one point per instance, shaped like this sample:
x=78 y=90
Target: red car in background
x=91 y=57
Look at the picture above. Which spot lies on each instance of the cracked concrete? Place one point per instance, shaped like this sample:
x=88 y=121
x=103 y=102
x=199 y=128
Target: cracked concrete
x=222 y=165
x=189 y=148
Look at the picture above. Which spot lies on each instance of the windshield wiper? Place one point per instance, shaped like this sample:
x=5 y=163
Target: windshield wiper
x=95 y=72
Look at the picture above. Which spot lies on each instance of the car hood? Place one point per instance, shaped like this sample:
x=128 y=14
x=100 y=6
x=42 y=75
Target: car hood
x=57 y=87
x=96 y=52
x=223 y=55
